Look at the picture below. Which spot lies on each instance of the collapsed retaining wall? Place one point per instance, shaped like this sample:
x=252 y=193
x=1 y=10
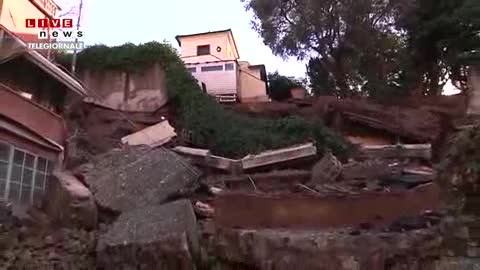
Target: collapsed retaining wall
x=127 y=91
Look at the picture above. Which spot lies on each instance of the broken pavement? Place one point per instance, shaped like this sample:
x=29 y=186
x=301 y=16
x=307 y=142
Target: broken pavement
x=136 y=177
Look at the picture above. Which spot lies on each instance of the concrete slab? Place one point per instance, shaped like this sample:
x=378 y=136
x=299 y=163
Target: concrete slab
x=153 y=237
x=153 y=136
x=279 y=156
x=137 y=177
x=422 y=151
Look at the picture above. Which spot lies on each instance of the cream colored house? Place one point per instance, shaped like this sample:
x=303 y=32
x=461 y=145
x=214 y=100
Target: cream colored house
x=213 y=59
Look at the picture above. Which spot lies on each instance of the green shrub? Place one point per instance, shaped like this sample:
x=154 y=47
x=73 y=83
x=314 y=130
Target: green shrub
x=223 y=132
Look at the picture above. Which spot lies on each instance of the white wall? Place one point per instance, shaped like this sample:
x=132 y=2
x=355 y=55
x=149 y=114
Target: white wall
x=217 y=82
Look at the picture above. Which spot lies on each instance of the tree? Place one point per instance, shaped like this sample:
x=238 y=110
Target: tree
x=280 y=86
x=339 y=34
x=373 y=47
x=439 y=32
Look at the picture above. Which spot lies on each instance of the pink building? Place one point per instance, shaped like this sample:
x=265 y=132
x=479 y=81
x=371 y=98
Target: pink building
x=13 y=14
x=213 y=59
x=34 y=95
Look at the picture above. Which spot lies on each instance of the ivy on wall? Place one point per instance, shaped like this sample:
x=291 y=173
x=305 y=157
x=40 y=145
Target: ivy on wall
x=223 y=132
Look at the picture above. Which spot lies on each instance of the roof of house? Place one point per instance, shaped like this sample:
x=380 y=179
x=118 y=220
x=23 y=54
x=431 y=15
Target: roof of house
x=43 y=63
x=256 y=67
x=22 y=131
x=229 y=31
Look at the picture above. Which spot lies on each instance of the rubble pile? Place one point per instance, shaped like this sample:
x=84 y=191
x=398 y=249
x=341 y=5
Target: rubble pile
x=27 y=246
x=150 y=208
x=327 y=249
x=144 y=224
x=414 y=124
x=95 y=130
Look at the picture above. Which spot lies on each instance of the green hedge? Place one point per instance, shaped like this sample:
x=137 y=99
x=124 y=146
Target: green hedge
x=223 y=132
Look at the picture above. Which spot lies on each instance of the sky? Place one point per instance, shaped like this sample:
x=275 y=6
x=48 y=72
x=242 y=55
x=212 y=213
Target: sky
x=114 y=22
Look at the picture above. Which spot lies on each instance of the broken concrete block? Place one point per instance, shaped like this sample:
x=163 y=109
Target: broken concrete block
x=153 y=237
x=326 y=170
x=204 y=157
x=421 y=151
x=153 y=136
x=70 y=202
x=128 y=179
x=279 y=156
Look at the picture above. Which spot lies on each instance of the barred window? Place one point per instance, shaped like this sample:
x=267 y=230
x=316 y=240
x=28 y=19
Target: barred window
x=212 y=68
x=4 y=161
x=23 y=176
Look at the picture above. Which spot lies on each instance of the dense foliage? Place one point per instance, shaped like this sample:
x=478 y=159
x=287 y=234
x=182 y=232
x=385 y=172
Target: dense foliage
x=439 y=32
x=280 y=86
x=224 y=132
x=372 y=47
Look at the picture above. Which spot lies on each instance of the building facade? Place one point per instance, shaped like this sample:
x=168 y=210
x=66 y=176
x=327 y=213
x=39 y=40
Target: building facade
x=253 y=83
x=213 y=59
x=13 y=14
x=33 y=95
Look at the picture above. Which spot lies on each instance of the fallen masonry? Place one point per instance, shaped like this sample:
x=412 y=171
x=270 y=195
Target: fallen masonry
x=151 y=208
x=136 y=177
x=153 y=136
x=156 y=237
x=43 y=246
x=422 y=151
x=311 y=211
x=70 y=202
x=262 y=160
x=327 y=249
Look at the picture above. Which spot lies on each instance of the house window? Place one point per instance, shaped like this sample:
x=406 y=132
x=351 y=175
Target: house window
x=203 y=50
x=23 y=176
x=4 y=161
x=192 y=69
x=229 y=66
x=212 y=68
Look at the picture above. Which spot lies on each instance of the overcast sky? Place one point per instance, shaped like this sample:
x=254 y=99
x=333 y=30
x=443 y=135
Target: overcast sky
x=114 y=22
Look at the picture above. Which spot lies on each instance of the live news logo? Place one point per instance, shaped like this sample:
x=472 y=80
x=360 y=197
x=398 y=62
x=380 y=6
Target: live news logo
x=49 y=23
x=55 y=28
